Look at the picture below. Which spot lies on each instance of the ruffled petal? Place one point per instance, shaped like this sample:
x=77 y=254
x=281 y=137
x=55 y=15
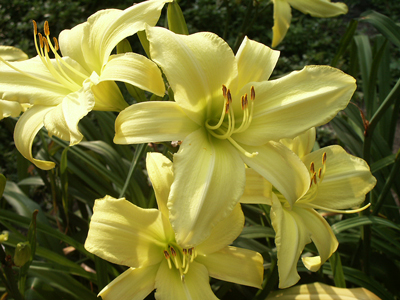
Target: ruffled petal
x=126 y=234
x=9 y=108
x=288 y=106
x=319 y=8
x=200 y=199
x=236 y=265
x=25 y=131
x=152 y=122
x=257 y=189
x=282 y=19
x=133 y=284
x=322 y=291
x=159 y=169
x=10 y=53
x=302 y=144
x=346 y=181
x=290 y=239
x=134 y=69
x=282 y=168
x=321 y=235
x=63 y=120
x=106 y=28
x=196 y=73
x=224 y=233
x=195 y=285
x=255 y=62
x=33 y=83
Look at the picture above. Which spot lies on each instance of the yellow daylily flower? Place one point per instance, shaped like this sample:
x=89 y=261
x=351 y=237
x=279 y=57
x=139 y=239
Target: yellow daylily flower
x=338 y=181
x=11 y=108
x=144 y=240
x=64 y=89
x=316 y=8
x=228 y=114
x=322 y=291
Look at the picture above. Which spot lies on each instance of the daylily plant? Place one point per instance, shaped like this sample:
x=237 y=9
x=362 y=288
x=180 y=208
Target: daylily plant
x=337 y=181
x=63 y=90
x=228 y=114
x=144 y=240
x=316 y=8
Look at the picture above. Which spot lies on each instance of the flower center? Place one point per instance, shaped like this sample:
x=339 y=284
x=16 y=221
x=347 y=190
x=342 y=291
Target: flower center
x=226 y=125
x=180 y=258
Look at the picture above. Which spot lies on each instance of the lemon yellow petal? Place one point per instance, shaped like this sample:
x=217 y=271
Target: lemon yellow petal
x=282 y=19
x=319 y=8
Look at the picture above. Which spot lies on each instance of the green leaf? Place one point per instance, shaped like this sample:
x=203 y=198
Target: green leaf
x=3 y=181
x=360 y=221
x=337 y=270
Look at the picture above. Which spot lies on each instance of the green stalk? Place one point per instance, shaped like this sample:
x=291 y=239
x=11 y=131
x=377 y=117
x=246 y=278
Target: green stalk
x=140 y=150
x=11 y=281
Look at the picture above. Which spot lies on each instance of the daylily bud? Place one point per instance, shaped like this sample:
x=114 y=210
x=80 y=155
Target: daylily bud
x=22 y=254
x=176 y=20
x=3 y=236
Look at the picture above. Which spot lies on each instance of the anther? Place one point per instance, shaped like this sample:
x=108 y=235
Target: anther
x=315 y=178
x=242 y=101
x=324 y=158
x=47 y=45
x=166 y=254
x=46 y=28
x=319 y=172
x=55 y=43
x=252 y=93
x=184 y=251
x=40 y=40
x=227 y=107
x=312 y=168
x=190 y=251
x=228 y=94
x=224 y=89
x=34 y=27
x=245 y=100
x=173 y=252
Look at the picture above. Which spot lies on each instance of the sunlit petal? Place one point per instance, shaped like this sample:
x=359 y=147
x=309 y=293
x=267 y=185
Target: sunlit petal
x=133 y=284
x=288 y=106
x=9 y=108
x=223 y=233
x=159 y=169
x=126 y=234
x=213 y=188
x=236 y=265
x=195 y=285
x=346 y=181
x=152 y=122
x=319 y=8
x=255 y=62
x=282 y=168
x=10 y=53
x=196 y=74
x=134 y=69
x=322 y=291
x=25 y=131
x=301 y=144
x=257 y=189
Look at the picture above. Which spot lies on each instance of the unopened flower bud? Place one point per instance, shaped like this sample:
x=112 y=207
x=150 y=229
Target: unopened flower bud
x=22 y=253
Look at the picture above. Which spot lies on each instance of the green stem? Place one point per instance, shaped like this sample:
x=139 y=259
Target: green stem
x=388 y=184
x=9 y=276
x=140 y=150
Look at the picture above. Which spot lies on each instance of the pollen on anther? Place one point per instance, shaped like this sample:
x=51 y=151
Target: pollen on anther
x=47 y=44
x=173 y=252
x=40 y=40
x=46 y=28
x=166 y=254
x=34 y=27
x=190 y=251
x=324 y=158
x=252 y=93
x=228 y=94
x=224 y=89
x=55 y=43
x=319 y=172
x=184 y=251
x=312 y=168
x=227 y=107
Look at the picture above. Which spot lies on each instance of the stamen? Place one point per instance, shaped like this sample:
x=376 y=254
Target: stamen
x=34 y=27
x=46 y=28
x=252 y=93
x=319 y=172
x=224 y=89
x=47 y=45
x=324 y=158
x=237 y=146
x=167 y=256
x=40 y=40
x=229 y=96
